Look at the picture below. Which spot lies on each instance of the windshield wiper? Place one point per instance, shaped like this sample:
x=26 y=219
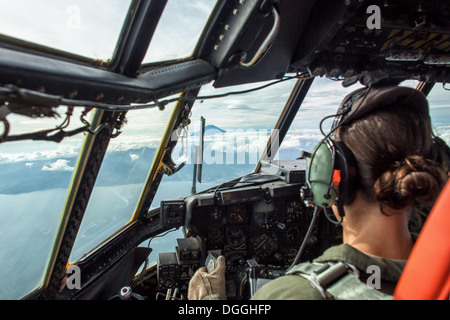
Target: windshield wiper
x=198 y=157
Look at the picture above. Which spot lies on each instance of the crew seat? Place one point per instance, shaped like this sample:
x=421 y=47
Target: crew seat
x=427 y=273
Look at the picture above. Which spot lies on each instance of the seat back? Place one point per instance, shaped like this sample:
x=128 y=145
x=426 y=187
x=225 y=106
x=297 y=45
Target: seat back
x=427 y=273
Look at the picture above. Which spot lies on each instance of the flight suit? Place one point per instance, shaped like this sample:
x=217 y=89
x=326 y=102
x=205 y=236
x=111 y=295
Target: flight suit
x=296 y=287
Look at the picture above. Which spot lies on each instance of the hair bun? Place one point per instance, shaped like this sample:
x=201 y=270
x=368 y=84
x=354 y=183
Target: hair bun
x=415 y=180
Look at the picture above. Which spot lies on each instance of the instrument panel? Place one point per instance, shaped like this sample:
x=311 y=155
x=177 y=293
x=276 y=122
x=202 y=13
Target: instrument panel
x=258 y=225
x=269 y=232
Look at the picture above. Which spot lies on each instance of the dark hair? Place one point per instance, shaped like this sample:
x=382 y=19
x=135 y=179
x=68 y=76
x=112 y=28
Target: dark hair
x=393 y=148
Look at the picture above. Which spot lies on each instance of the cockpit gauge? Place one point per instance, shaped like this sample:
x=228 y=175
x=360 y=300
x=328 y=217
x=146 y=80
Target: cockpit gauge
x=238 y=214
x=235 y=238
x=215 y=215
x=234 y=261
x=264 y=215
x=215 y=235
x=292 y=234
x=264 y=245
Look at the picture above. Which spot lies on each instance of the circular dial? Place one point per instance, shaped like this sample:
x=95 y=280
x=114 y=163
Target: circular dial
x=235 y=237
x=237 y=214
x=264 y=215
x=215 y=235
x=264 y=245
x=293 y=235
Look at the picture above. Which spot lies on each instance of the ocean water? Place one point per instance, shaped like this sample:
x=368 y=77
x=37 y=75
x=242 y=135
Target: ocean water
x=28 y=227
x=29 y=222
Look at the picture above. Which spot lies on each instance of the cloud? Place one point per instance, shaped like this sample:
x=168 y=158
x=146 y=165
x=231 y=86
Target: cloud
x=235 y=146
x=299 y=138
x=58 y=165
x=239 y=107
x=443 y=131
x=9 y=156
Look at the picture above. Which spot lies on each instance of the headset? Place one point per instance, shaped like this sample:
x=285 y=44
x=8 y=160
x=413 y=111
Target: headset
x=331 y=167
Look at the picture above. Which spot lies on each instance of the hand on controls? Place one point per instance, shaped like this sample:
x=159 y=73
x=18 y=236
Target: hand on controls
x=204 y=284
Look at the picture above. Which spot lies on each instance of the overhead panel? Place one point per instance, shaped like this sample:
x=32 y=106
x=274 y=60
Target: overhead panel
x=254 y=40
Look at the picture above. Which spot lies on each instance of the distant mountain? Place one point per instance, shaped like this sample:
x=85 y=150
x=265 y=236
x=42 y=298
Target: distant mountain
x=213 y=127
x=210 y=130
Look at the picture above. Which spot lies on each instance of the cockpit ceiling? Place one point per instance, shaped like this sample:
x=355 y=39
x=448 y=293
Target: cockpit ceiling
x=412 y=37
x=332 y=38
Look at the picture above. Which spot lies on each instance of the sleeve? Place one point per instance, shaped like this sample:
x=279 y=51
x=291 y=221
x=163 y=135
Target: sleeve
x=290 y=287
x=215 y=296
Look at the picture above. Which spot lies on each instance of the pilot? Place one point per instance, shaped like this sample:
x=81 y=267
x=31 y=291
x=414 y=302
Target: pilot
x=393 y=169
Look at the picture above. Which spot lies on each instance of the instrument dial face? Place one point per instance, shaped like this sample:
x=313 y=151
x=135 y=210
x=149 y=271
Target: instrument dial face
x=293 y=235
x=237 y=214
x=215 y=235
x=264 y=245
x=265 y=215
x=235 y=237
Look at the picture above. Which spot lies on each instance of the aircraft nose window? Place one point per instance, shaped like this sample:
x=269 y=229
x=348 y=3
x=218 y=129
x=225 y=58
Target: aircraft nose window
x=121 y=178
x=304 y=131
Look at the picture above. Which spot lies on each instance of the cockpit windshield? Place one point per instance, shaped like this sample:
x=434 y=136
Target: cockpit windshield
x=178 y=30
x=86 y=28
x=92 y=29
x=121 y=178
x=237 y=129
x=36 y=176
x=34 y=181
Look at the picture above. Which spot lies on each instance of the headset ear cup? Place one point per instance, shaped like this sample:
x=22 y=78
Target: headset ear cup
x=319 y=170
x=345 y=166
